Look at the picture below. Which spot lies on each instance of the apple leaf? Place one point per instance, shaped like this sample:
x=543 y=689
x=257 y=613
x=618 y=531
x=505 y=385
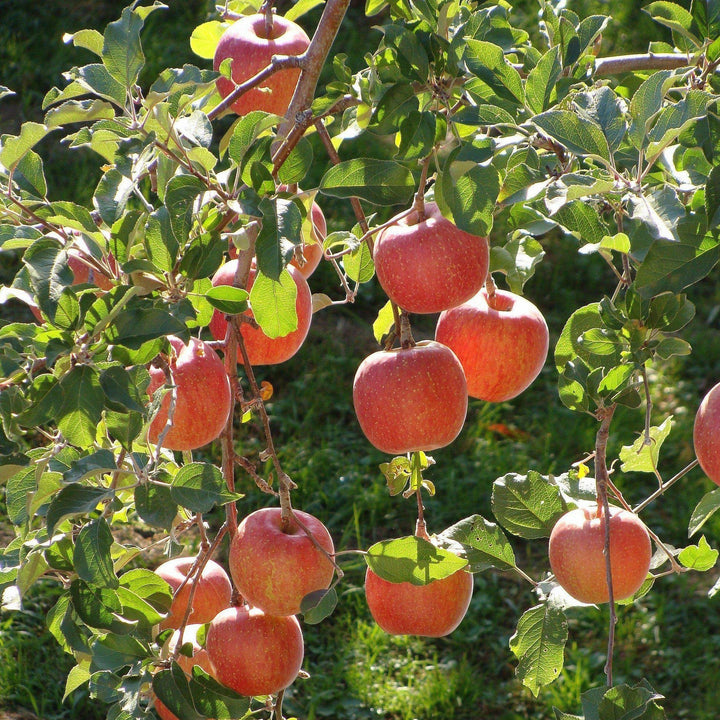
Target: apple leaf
x=527 y=505
x=704 y=510
x=318 y=605
x=381 y=182
x=99 y=607
x=517 y=260
x=149 y=586
x=228 y=299
x=281 y=232
x=200 y=486
x=14 y=147
x=700 y=557
x=384 y=321
x=213 y=699
x=205 y=37
x=580 y=136
x=640 y=457
x=412 y=559
x=359 y=265
x=538 y=644
x=73 y=500
x=484 y=543
x=91 y=557
x=173 y=689
x=273 y=304
x=625 y=702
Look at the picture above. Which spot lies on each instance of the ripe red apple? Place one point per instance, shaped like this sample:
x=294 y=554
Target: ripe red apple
x=410 y=399
x=431 y=610
x=706 y=434
x=199 y=657
x=262 y=349
x=213 y=592
x=254 y=653
x=430 y=265
x=501 y=342
x=275 y=567
x=251 y=48
x=203 y=397
x=577 y=557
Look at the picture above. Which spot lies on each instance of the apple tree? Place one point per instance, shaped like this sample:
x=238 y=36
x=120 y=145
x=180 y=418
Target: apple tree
x=155 y=304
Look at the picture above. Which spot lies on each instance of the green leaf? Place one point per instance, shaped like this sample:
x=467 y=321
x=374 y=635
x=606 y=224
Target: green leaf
x=77 y=677
x=199 y=487
x=527 y=505
x=297 y=164
x=359 y=265
x=579 y=135
x=672 y=346
x=49 y=273
x=466 y=194
x=273 y=303
x=704 y=510
x=281 y=232
x=646 y=103
x=674 y=265
x=412 y=559
x=112 y=652
x=91 y=556
x=381 y=182
x=581 y=220
x=125 y=388
x=205 y=37
x=173 y=689
x=384 y=321
x=180 y=195
x=672 y=120
x=318 y=605
x=417 y=135
x=628 y=703
x=75 y=500
x=122 y=53
x=395 y=106
x=30 y=176
x=674 y=16
x=80 y=410
x=160 y=242
x=155 y=505
x=485 y=544
x=538 y=644
x=148 y=586
x=498 y=79
x=700 y=557
x=97 y=463
x=228 y=299
x=541 y=80
x=13 y=148
x=712 y=198
x=112 y=194
x=517 y=259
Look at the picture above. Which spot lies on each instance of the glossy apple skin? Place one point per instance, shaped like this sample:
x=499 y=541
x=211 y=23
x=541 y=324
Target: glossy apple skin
x=199 y=657
x=706 y=434
x=432 y=610
x=262 y=349
x=577 y=556
x=203 y=398
x=429 y=266
x=274 y=569
x=212 y=595
x=254 y=653
x=411 y=399
x=247 y=43
x=502 y=343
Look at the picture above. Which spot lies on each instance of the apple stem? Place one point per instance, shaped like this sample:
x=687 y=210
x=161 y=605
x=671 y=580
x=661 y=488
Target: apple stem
x=661 y=490
x=267 y=9
x=419 y=203
x=421 y=525
x=278 y=705
x=163 y=364
x=490 y=291
x=406 y=338
x=602 y=479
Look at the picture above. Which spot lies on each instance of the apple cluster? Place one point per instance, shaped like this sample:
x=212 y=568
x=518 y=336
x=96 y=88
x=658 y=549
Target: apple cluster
x=254 y=645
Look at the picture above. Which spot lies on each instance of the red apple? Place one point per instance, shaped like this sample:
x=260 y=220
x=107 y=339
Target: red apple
x=410 y=399
x=501 y=342
x=430 y=265
x=78 y=262
x=577 y=554
x=262 y=349
x=254 y=653
x=706 y=434
x=432 y=610
x=251 y=48
x=199 y=657
x=203 y=397
x=275 y=567
x=213 y=592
